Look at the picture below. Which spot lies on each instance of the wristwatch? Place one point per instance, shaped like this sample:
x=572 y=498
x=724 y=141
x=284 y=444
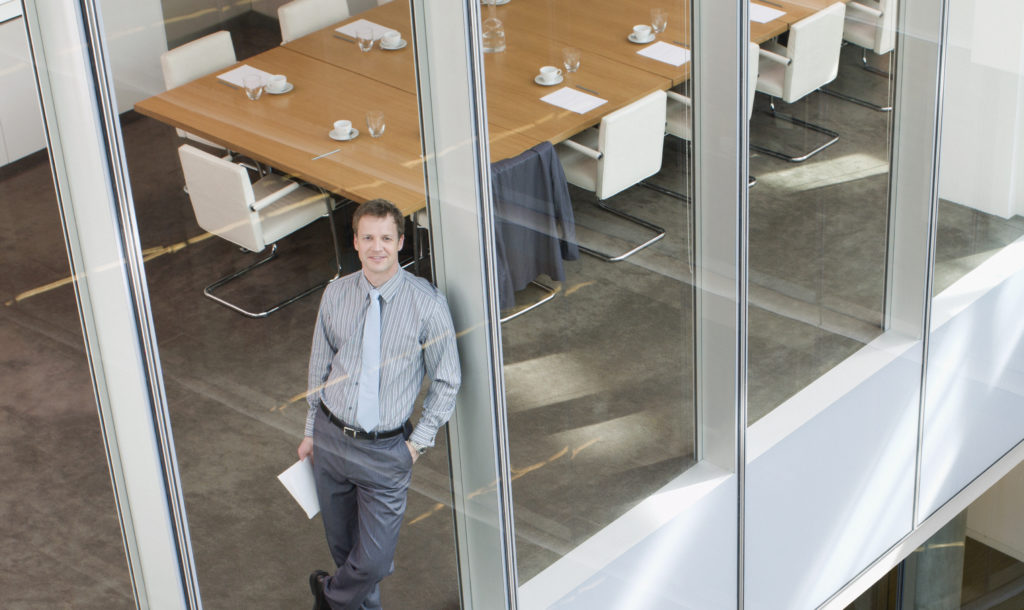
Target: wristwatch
x=420 y=449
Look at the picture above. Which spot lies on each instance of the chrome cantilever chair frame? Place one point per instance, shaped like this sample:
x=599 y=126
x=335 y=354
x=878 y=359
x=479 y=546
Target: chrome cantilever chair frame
x=833 y=136
x=869 y=28
x=208 y=290
x=600 y=184
x=809 y=61
x=226 y=205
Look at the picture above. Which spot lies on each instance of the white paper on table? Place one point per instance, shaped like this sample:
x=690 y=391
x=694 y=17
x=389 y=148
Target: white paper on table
x=236 y=77
x=352 y=29
x=298 y=480
x=668 y=53
x=571 y=99
x=760 y=13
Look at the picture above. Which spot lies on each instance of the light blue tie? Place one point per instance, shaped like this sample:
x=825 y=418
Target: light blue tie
x=368 y=413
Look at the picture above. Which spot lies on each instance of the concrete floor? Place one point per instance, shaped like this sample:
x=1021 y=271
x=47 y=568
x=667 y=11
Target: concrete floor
x=599 y=381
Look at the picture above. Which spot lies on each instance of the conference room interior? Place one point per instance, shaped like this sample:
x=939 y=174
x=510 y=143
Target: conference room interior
x=599 y=381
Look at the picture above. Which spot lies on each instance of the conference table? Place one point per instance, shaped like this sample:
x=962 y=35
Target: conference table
x=334 y=80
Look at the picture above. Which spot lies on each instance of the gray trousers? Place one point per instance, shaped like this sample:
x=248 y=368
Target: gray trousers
x=362 y=487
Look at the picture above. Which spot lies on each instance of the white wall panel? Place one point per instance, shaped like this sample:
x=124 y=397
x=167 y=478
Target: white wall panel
x=832 y=495
x=974 y=409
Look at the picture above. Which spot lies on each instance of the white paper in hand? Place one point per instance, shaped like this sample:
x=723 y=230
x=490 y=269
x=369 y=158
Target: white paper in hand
x=299 y=482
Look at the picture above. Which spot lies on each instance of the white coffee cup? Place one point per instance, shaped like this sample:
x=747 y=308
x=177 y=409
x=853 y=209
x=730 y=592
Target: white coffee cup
x=343 y=128
x=550 y=74
x=277 y=83
x=391 y=38
x=641 y=32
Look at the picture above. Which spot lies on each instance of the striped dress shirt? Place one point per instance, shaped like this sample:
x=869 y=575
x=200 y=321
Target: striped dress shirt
x=417 y=339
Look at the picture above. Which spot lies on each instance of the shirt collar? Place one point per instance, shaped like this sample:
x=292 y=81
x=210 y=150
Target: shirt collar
x=389 y=289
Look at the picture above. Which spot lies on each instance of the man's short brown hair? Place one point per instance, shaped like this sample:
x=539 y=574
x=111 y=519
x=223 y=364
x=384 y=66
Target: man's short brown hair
x=379 y=208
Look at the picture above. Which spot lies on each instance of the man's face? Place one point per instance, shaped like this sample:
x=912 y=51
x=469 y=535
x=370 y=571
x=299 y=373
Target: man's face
x=377 y=241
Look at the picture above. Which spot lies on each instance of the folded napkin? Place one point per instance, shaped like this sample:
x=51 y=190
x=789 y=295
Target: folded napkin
x=237 y=75
x=760 y=13
x=668 y=53
x=352 y=29
x=572 y=99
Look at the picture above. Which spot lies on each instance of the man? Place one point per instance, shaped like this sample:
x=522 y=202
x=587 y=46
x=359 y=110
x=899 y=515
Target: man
x=377 y=333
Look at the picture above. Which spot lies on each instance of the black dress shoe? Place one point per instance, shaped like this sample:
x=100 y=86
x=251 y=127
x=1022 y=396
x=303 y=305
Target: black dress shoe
x=316 y=585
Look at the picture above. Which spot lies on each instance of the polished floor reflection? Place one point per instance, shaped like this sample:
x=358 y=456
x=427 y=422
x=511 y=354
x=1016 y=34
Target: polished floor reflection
x=599 y=380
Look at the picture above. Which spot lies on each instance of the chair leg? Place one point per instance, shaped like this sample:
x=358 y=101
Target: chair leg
x=659 y=233
x=549 y=294
x=833 y=137
x=856 y=100
x=208 y=291
x=665 y=191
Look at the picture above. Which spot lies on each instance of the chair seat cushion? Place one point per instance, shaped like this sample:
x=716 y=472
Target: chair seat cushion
x=580 y=169
x=860 y=33
x=771 y=78
x=290 y=213
x=678 y=120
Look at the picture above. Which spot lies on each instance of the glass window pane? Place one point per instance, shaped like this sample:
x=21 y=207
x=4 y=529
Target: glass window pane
x=237 y=384
x=820 y=152
x=599 y=380
x=973 y=351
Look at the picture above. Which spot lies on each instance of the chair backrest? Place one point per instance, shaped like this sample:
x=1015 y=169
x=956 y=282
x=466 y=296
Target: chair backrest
x=631 y=141
x=753 y=63
x=813 y=49
x=301 y=17
x=197 y=58
x=221 y=195
x=885 y=35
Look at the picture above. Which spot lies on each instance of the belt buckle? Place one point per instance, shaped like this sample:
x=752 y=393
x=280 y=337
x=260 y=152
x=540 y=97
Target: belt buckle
x=347 y=431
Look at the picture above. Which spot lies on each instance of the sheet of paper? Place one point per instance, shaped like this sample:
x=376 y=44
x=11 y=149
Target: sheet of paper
x=298 y=480
x=668 y=53
x=235 y=76
x=573 y=99
x=351 y=29
x=760 y=13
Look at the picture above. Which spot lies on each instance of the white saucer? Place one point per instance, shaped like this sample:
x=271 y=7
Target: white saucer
x=401 y=45
x=632 y=38
x=557 y=81
x=495 y=2
x=287 y=88
x=351 y=135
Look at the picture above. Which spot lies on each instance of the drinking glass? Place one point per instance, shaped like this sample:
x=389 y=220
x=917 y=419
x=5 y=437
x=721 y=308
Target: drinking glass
x=493 y=35
x=364 y=36
x=253 y=84
x=375 y=123
x=571 y=59
x=659 y=20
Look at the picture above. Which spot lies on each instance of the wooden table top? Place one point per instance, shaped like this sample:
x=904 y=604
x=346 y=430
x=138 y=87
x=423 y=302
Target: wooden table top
x=333 y=80
x=287 y=131
x=396 y=68
x=513 y=98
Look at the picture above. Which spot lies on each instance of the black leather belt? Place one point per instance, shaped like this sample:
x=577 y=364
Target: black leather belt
x=360 y=434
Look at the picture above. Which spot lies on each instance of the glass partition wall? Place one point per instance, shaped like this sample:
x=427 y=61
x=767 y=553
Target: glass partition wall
x=599 y=380
x=820 y=163
x=600 y=452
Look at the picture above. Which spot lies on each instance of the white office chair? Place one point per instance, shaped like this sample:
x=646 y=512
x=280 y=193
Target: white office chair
x=623 y=151
x=870 y=24
x=679 y=116
x=301 y=17
x=808 y=61
x=189 y=61
x=251 y=215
